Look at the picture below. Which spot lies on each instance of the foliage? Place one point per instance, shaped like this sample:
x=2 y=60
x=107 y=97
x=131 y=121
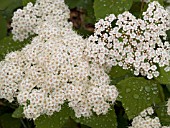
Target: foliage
x=135 y=93
x=60 y=118
x=164 y=77
x=4 y=121
x=162 y=114
x=25 y=2
x=104 y=7
x=56 y=120
x=7 y=44
x=102 y=121
x=8 y=6
x=18 y=113
x=118 y=74
x=3 y=27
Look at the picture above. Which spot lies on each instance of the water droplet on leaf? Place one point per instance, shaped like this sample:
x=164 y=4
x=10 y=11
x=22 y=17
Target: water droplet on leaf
x=147 y=89
x=136 y=96
x=141 y=89
x=148 y=98
x=155 y=92
x=120 y=9
x=128 y=90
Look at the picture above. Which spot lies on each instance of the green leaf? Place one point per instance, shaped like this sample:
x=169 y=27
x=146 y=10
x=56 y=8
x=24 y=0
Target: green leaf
x=136 y=0
x=168 y=87
x=102 y=8
x=3 y=27
x=25 y=2
x=70 y=124
x=76 y=3
x=117 y=74
x=161 y=111
x=7 y=45
x=8 y=6
x=4 y=4
x=137 y=93
x=18 y=113
x=57 y=120
x=7 y=121
x=137 y=8
x=168 y=34
x=160 y=1
x=164 y=77
x=102 y=121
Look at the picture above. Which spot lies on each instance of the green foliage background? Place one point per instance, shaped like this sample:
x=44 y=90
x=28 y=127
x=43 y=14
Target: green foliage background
x=136 y=93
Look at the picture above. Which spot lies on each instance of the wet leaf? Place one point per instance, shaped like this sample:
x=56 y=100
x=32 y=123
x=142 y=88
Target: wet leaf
x=102 y=121
x=161 y=111
x=137 y=93
x=117 y=74
x=25 y=2
x=164 y=77
x=102 y=8
x=3 y=27
x=8 y=6
x=18 y=113
x=57 y=120
x=7 y=45
x=7 y=121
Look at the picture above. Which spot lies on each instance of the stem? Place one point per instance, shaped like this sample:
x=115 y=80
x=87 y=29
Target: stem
x=142 y=6
x=28 y=124
x=23 y=123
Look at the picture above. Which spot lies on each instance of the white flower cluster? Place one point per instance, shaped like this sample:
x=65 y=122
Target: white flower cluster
x=28 y=21
x=134 y=44
x=144 y=120
x=168 y=107
x=54 y=68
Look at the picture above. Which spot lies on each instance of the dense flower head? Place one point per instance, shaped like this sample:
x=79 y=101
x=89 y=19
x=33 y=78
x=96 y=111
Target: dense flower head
x=136 y=44
x=146 y=120
x=54 y=68
x=31 y=18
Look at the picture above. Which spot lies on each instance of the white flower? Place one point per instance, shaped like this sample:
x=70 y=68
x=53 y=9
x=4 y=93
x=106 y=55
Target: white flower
x=54 y=68
x=134 y=43
x=146 y=120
